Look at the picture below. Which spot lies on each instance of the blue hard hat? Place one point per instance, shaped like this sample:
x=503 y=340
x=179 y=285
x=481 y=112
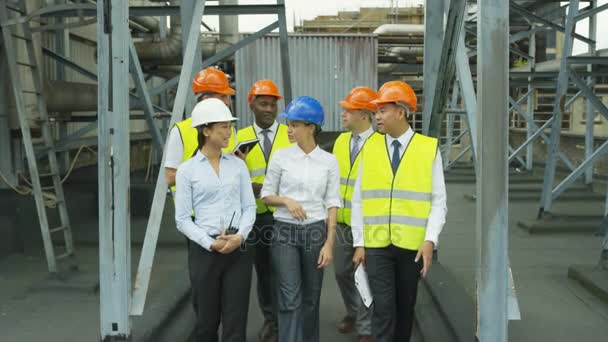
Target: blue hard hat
x=304 y=108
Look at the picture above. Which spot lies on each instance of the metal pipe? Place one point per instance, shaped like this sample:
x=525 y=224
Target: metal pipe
x=400 y=30
x=169 y=50
x=63 y=96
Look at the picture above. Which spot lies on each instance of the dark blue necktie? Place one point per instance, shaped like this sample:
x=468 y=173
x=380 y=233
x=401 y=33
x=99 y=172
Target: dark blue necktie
x=396 y=156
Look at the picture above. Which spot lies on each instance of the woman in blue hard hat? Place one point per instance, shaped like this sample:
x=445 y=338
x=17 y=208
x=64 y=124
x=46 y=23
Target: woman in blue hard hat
x=217 y=188
x=303 y=183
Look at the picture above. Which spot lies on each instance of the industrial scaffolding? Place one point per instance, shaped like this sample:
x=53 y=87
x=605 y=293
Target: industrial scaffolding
x=484 y=101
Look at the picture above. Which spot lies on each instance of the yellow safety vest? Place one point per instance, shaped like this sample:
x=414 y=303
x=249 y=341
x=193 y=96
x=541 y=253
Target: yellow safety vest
x=396 y=207
x=348 y=172
x=256 y=161
x=189 y=137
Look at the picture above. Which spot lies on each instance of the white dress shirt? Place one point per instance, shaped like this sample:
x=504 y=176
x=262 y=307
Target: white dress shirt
x=438 y=196
x=313 y=180
x=215 y=199
x=364 y=136
x=175 y=149
x=273 y=132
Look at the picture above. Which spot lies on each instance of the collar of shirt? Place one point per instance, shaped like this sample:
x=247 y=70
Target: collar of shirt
x=199 y=156
x=298 y=153
x=404 y=139
x=366 y=134
x=273 y=128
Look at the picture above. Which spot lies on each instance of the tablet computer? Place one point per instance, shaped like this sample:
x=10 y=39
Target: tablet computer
x=245 y=146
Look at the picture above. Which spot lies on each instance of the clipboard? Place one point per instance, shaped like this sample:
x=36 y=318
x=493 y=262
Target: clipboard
x=362 y=284
x=244 y=146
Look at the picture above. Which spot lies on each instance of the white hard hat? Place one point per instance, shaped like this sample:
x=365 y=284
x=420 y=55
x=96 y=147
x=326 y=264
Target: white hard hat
x=211 y=110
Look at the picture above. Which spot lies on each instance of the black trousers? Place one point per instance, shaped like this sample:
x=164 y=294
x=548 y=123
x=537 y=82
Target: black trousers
x=220 y=293
x=393 y=280
x=259 y=242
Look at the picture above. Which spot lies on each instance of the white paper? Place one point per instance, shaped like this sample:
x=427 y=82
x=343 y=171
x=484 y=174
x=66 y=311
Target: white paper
x=362 y=284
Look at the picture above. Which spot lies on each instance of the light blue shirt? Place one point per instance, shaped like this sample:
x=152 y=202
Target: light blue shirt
x=213 y=199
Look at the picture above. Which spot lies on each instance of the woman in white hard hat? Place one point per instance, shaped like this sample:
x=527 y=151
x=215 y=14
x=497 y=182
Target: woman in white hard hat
x=303 y=182
x=216 y=187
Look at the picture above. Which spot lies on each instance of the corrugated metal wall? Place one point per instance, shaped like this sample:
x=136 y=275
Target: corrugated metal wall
x=324 y=67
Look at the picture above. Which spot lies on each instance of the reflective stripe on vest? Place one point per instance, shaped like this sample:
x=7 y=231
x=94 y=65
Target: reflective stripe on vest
x=396 y=207
x=189 y=136
x=348 y=172
x=256 y=161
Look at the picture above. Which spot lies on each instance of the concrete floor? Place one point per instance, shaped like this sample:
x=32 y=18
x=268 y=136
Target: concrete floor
x=553 y=307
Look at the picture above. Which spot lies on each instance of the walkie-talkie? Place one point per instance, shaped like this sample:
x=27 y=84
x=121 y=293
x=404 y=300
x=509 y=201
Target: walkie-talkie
x=231 y=230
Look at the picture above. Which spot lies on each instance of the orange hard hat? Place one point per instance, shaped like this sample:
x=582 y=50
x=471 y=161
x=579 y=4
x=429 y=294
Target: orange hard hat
x=360 y=98
x=211 y=80
x=264 y=87
x=397 y=91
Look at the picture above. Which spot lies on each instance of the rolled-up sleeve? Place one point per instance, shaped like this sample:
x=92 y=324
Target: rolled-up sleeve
x=273 y=177
x=175 y=149
x=332 y=195
x=183 y=209
x=248 y=205
x=356 y=216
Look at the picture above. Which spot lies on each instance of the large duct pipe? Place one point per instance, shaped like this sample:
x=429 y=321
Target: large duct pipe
x=229 y=27
x=149 y=23
x=400 y=30
x=63 y=96
x=169 y=50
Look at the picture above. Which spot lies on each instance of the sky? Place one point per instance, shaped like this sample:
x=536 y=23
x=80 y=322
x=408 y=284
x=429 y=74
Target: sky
x=297 y=10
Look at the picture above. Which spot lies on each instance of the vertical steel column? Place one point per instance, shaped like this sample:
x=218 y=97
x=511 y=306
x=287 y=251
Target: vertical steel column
x=284 y=42
x=531 y=98
x=433 y=41
x=450 y=128
x=114 y=213
x=6 y=159
x=590 y=110
x=558 y=108
x=492 y=187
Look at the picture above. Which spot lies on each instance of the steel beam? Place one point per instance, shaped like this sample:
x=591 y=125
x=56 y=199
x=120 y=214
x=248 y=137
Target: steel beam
x=284 y=43
x=88 y=10
x=531 y=97
x=113 y=167
x=560 y=99
x=589 y=110
x=530 y=121
x=580 y=170
x=433 y=37
x=462 y=153
x=596 y=60
x=450 y=128
x=588 y=92
x=465 y=80
x=146 y=260
x=142 y=92
x=492 y=173
x=530 y=139
x=591 y=12
x=533 y=17
x=455 y=23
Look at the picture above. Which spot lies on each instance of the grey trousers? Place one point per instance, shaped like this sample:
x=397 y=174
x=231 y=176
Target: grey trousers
x=345 y=276
x=295 y=251
x=393 y=280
